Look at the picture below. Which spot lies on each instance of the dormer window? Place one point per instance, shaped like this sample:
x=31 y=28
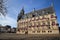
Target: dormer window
x=36 y=13
x=39 y=14
x=33 y=15
x=48 y=12
x=43 y=11
x=27 y=16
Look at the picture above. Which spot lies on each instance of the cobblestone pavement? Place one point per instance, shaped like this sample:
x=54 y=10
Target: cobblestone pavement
x=13 y=36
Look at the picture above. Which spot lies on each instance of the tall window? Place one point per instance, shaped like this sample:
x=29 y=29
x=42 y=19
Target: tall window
x=43 y=17
x=48 y=24
x=53 y=23
x=43 y=23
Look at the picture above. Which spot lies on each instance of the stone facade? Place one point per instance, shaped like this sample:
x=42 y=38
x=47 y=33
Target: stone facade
x=42 y=21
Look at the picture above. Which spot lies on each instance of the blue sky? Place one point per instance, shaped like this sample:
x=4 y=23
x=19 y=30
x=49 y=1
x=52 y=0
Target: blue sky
x=14 y=7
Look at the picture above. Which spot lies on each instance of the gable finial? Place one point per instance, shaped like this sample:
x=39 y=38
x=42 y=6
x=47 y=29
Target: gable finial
x=52 y=3
x=34 y=10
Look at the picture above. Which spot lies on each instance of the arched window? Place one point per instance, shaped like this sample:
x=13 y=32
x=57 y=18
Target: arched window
x=38 y=31
x=43 y=31
x=33 y=31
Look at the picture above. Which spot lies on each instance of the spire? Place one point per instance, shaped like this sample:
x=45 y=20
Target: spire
x=21 y=14
x=52 y=3
x=22 y=11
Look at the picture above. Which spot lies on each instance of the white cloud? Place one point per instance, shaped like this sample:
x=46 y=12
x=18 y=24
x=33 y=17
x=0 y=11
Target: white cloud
x=8 y=21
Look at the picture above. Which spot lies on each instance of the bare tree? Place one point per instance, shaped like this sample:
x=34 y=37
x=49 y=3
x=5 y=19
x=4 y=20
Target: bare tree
x=3 y=9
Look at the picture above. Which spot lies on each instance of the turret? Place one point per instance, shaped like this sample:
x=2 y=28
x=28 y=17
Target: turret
x=20 y=14
x=22 y=11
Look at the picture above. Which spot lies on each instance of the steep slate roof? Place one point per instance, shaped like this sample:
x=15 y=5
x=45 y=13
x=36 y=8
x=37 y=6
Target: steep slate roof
x=40 y=12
